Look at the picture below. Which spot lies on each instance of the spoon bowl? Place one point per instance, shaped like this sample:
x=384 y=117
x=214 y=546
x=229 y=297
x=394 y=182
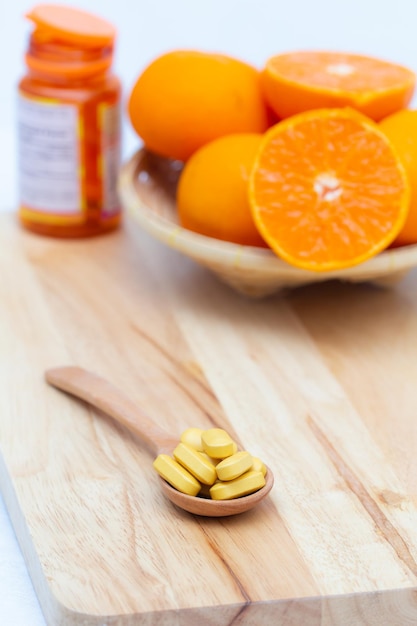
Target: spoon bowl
x=104 y=396
x=217 y=508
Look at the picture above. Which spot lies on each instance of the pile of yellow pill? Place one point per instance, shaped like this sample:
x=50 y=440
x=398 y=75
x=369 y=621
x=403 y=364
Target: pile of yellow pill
x=207 y=463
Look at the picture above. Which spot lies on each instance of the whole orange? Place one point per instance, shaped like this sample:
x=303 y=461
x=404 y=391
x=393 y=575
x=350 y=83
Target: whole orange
x=401 y=130
x=212 y=195
x=186 y=98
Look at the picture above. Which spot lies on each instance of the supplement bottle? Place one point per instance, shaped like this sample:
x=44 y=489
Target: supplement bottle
x=69 y=125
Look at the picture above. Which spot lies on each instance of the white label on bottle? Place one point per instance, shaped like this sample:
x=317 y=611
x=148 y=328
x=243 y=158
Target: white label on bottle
x=110 y=137
x=49 y=157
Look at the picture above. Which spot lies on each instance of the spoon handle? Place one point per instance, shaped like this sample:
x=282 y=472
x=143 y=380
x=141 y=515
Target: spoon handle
x=104 y=396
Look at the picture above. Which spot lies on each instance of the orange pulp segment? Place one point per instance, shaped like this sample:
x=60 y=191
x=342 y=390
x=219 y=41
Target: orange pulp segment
x=299 y=81
x=327 y=190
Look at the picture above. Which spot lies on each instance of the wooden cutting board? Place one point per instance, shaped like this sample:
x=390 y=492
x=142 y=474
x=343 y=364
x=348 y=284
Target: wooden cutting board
x=320 y=383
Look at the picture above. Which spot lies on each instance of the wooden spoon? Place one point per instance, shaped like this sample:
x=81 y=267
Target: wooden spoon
x=102 y=395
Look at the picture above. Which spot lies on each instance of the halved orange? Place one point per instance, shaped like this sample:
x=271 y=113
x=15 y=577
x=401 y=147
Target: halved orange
x=327 y=190
x=300 y=81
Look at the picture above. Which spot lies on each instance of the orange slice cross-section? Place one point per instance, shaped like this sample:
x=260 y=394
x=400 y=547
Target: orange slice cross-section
x=300 y=81
x=327 y=190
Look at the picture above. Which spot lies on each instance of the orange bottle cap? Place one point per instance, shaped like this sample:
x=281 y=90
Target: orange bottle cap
x=72 y=25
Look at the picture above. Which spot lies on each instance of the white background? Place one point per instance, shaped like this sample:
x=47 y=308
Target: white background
x=249 y=29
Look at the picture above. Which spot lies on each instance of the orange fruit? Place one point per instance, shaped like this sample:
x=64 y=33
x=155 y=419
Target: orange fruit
x=327 y=190
x=212 y=194
x=299 y=81
x=185 y=98
x=401 y=130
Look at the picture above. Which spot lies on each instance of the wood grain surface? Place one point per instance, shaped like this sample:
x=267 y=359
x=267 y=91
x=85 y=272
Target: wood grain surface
x=319 y=382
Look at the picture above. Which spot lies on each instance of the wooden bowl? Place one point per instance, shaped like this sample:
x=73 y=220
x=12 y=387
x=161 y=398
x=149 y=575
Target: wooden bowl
x=147 y=186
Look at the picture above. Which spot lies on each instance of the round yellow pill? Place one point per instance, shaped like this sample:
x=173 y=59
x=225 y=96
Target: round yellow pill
x=217 y=443
x=234 y=465
x=258 y=465
x=242 y=486
x=176 y=475
x=192 y=436
x=196 y=463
